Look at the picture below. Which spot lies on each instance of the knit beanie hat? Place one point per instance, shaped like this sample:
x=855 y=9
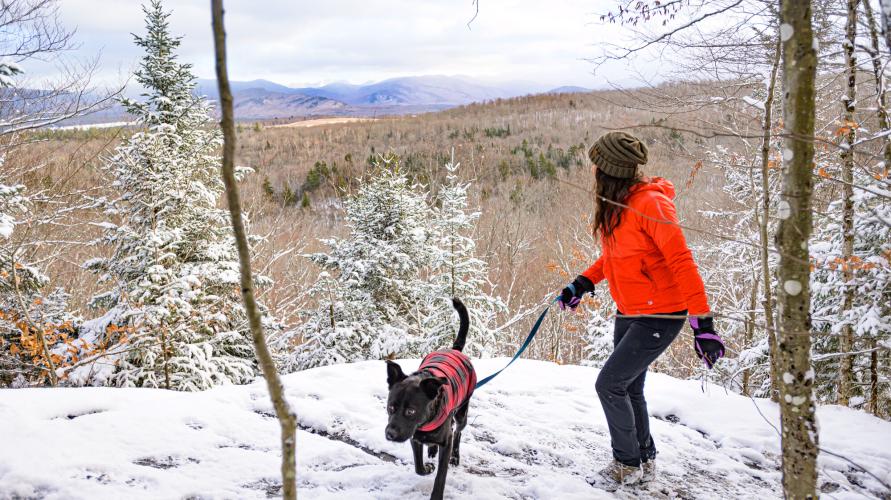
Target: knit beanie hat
x=618 y=154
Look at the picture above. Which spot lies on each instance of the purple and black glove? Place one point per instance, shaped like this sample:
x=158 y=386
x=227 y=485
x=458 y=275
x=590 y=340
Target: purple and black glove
x=709 y=346
x=571 y=296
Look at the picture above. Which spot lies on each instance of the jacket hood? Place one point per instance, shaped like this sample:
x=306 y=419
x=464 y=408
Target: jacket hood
x=658 y=184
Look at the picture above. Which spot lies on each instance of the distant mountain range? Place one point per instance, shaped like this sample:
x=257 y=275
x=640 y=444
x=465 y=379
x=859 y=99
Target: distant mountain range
x=263 y=99
x=568 y=89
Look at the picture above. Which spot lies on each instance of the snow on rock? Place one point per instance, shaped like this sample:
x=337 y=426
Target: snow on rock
x=534 y=432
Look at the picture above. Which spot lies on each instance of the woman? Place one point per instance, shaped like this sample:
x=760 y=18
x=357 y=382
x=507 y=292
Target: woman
x=655 y=284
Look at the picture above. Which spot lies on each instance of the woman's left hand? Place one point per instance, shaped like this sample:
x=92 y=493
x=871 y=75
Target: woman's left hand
x=709 y=346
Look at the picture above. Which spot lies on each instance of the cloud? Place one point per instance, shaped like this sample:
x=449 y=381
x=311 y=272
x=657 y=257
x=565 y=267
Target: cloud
x=299 y=43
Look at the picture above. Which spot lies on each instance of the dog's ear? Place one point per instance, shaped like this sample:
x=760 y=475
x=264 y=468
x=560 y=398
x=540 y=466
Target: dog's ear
x=432 y=386
x=394 y=374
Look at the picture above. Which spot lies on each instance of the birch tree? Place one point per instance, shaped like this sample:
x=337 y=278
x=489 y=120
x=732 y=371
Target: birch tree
x=800 y=436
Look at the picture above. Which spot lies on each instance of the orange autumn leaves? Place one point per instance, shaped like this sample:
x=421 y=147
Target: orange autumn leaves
x=28 y=347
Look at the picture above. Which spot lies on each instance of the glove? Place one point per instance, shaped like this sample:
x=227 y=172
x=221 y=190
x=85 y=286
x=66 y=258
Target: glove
x=709 y=346
x=571 y=296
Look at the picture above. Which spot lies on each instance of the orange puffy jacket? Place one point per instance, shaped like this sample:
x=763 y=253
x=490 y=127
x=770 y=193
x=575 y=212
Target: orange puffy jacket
x=646 y=260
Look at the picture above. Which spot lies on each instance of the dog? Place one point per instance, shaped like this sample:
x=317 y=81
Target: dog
x=430 y=405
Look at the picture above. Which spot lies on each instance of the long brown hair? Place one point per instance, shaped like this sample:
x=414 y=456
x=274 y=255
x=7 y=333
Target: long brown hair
x=607 y=216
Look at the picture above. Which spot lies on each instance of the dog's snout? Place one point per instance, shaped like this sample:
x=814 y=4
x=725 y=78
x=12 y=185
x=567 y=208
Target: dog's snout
x=391 y=434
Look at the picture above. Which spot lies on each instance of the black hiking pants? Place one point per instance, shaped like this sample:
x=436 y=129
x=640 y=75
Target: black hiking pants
x=637 y=342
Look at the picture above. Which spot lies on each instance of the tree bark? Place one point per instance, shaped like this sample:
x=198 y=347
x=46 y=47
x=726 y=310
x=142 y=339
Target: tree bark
x=750 y=333
x=166 y=356
x=763 y=219
x=874 y=379
x=287 y=419
x=846 y=365
x=800 y=438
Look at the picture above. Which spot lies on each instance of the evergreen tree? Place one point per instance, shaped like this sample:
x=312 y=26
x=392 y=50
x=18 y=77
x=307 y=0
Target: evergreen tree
x=736 y=284
x=459 y=273
x=870 y=313
x=174 y=265
x=598 y=336
x=12 y=201
x=17 y=282
x=371 y=303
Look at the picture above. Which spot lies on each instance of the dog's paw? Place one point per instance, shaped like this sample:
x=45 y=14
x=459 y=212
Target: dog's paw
x=424 y=469
x=455 y=460
x=432 y=451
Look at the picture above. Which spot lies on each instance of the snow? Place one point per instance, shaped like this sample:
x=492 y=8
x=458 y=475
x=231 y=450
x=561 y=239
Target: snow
x=792 y=287
x=786 y=31
x=534 y=432
x=751 y=101
x=6 y=225
x=784 y=210
x=788 y=154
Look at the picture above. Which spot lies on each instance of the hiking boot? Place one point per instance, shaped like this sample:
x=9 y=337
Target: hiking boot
x=621 y=474
x=648 y=471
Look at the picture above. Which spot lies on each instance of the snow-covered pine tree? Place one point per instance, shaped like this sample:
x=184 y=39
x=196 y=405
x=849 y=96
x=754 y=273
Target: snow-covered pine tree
x=15 y=280
x=8 y=69
x=12 y=201
x=174 y=267
x=870 y=314
x=734 y=278
x=457 y=272
x=598 y=336
x=371 y=299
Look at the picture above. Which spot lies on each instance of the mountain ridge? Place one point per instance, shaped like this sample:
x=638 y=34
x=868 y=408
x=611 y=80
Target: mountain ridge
x=262 y=99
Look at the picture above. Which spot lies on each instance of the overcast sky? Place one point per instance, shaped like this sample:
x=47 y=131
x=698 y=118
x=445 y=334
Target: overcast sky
x=300 y=43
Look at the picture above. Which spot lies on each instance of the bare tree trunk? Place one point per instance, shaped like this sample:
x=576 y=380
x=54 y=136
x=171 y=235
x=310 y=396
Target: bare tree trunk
x=799 y=428
x=874 y=379
x=287 y=418
x=875 y=53
x=763 y=221
x=166 y=355
x=846 y=366
x=750 y=333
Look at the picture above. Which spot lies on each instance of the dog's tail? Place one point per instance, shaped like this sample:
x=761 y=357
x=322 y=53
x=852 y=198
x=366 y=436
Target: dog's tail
x=465 y=325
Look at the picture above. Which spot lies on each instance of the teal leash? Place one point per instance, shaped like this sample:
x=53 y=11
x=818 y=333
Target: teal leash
x=523 y=347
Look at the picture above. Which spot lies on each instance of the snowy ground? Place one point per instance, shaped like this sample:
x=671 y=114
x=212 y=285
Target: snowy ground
x=535 y=432
x=88 y=126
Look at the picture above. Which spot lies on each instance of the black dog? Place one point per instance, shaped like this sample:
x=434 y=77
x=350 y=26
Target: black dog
x=430 y=405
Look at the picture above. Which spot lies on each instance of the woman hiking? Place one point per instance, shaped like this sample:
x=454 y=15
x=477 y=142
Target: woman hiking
x=655 y=283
